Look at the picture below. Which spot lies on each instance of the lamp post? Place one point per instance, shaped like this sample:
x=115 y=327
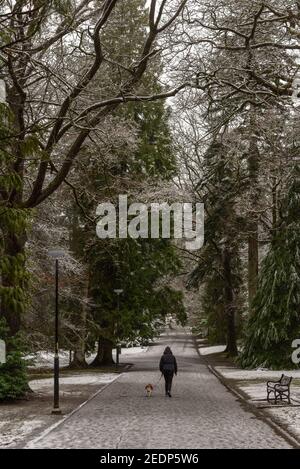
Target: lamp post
x=56 y=254
x=118 y=291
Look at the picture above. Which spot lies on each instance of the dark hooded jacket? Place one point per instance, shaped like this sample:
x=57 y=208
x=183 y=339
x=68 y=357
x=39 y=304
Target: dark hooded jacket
x=168 y=361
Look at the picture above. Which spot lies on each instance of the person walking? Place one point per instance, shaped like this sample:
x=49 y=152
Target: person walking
x=168 y=366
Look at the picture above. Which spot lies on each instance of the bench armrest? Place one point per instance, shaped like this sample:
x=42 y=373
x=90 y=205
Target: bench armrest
x=273 y=382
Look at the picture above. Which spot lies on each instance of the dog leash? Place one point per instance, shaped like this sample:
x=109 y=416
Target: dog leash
x=157 y=383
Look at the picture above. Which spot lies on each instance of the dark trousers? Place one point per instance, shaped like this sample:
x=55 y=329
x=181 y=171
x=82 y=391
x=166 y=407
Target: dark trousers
x=168 y=375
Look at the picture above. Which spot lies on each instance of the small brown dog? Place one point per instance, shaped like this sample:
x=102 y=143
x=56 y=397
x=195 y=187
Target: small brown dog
x=149 y=389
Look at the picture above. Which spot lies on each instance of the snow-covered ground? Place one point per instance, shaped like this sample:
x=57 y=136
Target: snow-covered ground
x=19 y=420
x=238 y=374
x=257 y=391
x=287 y=416
x=44 y=359
x=133 y=350
x=40 y=385
x=212 y=349
x=11 y=433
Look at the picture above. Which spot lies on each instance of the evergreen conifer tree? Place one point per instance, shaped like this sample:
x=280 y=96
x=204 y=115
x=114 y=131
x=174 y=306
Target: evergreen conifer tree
x=218 y=268
x=275 y=322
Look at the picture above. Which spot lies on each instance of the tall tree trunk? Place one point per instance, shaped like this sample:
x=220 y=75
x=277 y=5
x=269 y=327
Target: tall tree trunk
x=252 y=263
x=78 y=360
x=98 y=358
x=253 y=168
x=79 y=352
x=230 y=309
x=107 y=347
x=274 y=204
x=104 y=353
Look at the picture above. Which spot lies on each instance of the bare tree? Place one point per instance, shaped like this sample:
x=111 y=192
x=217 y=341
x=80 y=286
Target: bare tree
x=52 y=57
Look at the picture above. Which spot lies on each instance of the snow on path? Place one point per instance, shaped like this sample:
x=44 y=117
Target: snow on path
x=201 y=413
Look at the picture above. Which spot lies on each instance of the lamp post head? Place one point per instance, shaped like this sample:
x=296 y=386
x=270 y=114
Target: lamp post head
x=56 y=253
x=2 y=91
x=2 y=352
x=118 y=291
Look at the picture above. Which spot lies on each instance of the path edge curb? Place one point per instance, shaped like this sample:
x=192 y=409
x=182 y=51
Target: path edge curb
x=290 y=438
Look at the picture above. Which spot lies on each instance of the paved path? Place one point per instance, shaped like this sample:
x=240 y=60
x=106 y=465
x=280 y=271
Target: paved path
x=201 y=413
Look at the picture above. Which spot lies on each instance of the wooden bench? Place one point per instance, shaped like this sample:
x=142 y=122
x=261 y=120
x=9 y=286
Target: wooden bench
x=280 y=389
